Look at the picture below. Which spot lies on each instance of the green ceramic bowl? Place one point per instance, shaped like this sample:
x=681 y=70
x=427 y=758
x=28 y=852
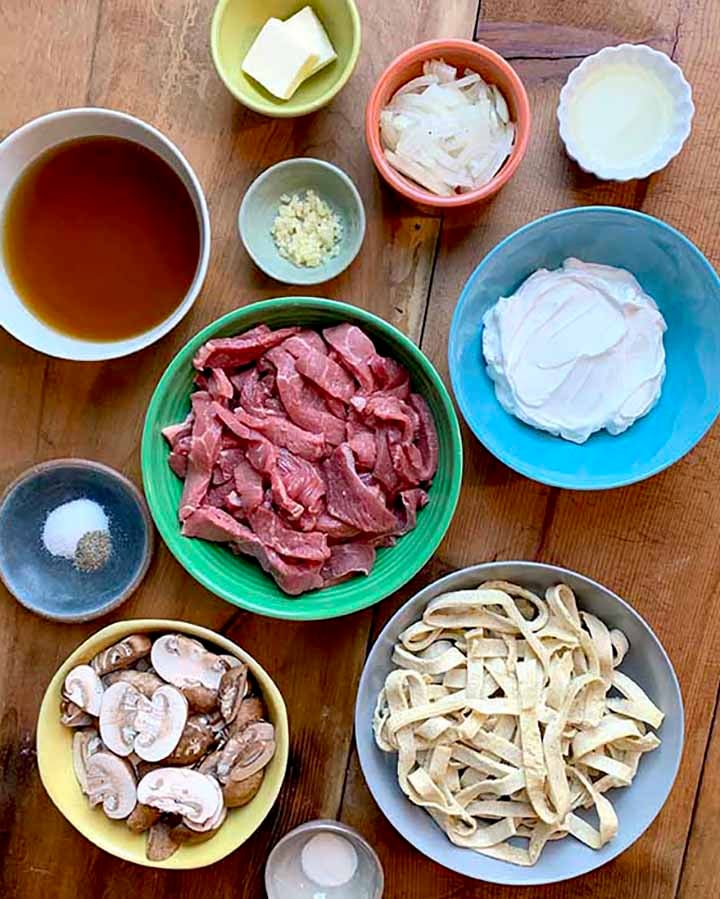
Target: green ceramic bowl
x=236 y=24
x=262 y=201
x=241 y=581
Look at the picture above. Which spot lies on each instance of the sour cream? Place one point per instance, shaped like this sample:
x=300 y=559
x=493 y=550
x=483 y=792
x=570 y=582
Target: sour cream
x=576 y=350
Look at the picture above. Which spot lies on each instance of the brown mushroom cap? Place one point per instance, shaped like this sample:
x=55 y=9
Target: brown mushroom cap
x=252 y=709
x=122 y=654
x=111 y=782
x=72 y=715
x=197 y=737
x=142 y=818
x=184 y=662
x=144 y=681
x=232 y=691
x=83 y=687
x=160 y=843
x=159 y=723
x=237 y=793
x=200 y=699
x=181 y=791
x=255 y=748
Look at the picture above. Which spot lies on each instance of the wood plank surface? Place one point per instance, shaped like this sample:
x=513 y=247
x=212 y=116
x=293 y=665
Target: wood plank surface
x=657 y=543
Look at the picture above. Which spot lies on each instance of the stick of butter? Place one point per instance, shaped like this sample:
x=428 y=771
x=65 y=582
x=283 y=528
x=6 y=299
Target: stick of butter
x=278 y=61
x=308 y=30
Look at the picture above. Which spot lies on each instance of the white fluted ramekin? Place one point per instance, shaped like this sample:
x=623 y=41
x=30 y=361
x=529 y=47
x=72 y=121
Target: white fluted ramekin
x=672 y=76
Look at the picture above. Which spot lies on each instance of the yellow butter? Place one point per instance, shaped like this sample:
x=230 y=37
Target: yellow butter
x=278 y=61
x=308 y=30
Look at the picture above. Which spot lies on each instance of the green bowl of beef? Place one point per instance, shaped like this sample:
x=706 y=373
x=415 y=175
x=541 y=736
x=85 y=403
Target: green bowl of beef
x=226 y=478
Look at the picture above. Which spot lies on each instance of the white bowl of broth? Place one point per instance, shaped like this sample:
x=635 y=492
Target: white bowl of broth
x=105 y=234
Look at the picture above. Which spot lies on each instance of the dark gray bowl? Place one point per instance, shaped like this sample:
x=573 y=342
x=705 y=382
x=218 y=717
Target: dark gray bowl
x=49 y=586
x=637 y=806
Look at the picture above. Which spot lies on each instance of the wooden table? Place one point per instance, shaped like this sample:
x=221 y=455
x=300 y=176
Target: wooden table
x=657 y=543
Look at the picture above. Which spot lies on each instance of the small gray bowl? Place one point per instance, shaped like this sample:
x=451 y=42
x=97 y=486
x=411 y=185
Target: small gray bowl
x=51 y=586
x=637 y=806
x=260 y=207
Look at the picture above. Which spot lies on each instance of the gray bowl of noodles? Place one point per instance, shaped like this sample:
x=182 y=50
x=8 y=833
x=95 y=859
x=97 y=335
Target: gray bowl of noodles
x=519 y=723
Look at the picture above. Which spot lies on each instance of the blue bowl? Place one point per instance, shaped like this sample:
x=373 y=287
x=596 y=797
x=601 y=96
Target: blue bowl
x=687 y=290
x=51 y=586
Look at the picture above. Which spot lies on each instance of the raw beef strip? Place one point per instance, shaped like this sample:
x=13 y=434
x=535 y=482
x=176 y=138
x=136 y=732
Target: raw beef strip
x=347 y=559
x=330 y=377
x=257 y=395
x=284 y=540
x=384 y=471
x=334 y=528
x=412 y=501
x=381 y=407
x=234 y=352
x=408 y=463
x=220 y=527
x=217 y=496
x=173 y=433
x=225 y=468
x=248 y=486
x=302 y=481
x=349 y=499
x=304 y=406
x=303 y=341
x=277 y=430
x=361 y=440
x=427 y=439
x=356 y=350
x=206 y=435
x=391 y=377
x=219 y=386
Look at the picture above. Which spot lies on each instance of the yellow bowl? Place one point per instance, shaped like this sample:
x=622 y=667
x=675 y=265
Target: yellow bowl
x=54 y=752
x=236 y=24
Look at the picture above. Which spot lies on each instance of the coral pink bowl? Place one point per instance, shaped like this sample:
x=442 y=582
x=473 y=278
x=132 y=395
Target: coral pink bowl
x=464 y=54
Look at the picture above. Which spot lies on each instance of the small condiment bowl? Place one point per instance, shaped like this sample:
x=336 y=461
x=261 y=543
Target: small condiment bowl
x=51 y=586
x=54 y=756
x=284 y=858
x=29 y=142
x=261 y=204
x=463 y=54
x=628 y=56
x=236 y=24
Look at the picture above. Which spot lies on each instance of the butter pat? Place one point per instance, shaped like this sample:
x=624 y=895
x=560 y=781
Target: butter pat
x=278 y=61
x=308 y=30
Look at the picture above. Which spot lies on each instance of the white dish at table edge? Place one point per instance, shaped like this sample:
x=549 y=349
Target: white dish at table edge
x=564 y=859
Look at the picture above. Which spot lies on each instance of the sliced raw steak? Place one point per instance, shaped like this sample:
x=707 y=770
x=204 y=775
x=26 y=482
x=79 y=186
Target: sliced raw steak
x=350 y=500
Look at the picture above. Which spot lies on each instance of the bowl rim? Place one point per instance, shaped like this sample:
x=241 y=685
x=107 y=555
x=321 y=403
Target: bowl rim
x=403 y=185
x=324 y=272
x=528 y=470
x=104 y=350
x=171 y=536
x=484 y=571
x=299 y=109
x=40 y=468
x=111 y=634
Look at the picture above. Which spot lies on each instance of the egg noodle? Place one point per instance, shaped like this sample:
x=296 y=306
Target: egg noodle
x=508 y=713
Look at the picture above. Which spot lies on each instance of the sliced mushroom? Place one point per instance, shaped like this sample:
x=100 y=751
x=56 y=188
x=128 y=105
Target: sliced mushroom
x=160 y=723
x=83 y=687
x=181 y=791
x=111 y=782
x=143 y=817
x=209 y=764
x=72 y=715
x=117 y=717
x=200 y=699
x=144 y=681
x=214 y=821
x=230 y=662
x=122 y=654
x=232 y=691
x=237 y=793
x=252 y=748
x=160 y=843
x=185 y=662
x=195 y=741
x=143 y=665
x=182 y=834
x=252 y=709
x=85 y=743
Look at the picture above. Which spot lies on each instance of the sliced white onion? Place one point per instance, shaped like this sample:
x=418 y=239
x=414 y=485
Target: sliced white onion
x=448 y=134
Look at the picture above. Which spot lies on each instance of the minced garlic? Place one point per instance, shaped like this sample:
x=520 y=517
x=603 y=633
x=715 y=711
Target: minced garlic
x=307 y=231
